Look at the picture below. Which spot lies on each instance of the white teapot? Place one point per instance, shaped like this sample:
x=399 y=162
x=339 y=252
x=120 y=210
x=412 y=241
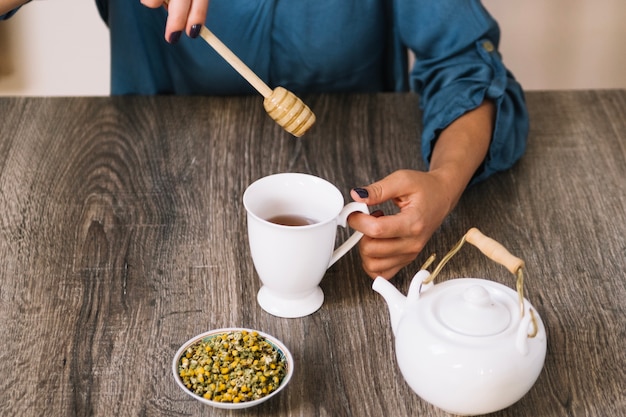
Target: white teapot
x=468 y=346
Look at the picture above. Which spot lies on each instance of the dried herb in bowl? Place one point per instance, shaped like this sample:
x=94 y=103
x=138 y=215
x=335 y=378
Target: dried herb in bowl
x=235 y=367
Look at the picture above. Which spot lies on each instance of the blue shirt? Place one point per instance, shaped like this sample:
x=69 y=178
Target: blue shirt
x=333 y=46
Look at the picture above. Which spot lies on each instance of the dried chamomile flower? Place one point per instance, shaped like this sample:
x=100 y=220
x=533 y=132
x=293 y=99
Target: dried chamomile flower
x=232 y=367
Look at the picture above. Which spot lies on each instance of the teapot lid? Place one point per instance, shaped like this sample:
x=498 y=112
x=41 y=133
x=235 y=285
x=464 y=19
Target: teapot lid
x=473 y=310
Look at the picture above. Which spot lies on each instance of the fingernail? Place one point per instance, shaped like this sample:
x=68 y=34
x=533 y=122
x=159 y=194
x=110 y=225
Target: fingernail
x=174 y=37
x=195 y=31
x=362 y=192
x=378 y=213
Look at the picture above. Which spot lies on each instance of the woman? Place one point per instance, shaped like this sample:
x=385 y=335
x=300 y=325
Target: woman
x=474 y=115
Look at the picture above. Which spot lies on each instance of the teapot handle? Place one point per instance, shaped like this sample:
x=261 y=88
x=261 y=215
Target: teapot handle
x=498 y=253
x=494 y=250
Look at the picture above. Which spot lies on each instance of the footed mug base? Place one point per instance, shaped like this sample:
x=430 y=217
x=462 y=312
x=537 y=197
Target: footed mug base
x=290 y=307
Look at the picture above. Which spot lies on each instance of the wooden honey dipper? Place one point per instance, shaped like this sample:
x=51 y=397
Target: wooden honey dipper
x=282 y=105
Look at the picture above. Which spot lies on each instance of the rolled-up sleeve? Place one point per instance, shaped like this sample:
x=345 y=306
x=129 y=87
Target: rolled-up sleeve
x=458 y=67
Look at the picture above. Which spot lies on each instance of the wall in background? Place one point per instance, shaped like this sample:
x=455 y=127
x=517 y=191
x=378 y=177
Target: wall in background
x=563 y=44
x=56 y=47
x=60 y=47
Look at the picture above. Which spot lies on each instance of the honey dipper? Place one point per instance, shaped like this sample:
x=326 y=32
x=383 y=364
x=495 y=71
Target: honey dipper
x=282 y=105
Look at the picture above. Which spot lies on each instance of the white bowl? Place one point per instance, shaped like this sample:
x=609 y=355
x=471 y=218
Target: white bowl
x=277 y=344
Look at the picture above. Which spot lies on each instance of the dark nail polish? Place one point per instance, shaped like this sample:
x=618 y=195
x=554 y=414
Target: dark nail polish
x=362 y=192
x=195 y=31
x=378 y=213
x=174 y=37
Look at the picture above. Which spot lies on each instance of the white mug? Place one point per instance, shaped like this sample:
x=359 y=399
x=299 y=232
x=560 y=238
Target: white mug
x=291 y=259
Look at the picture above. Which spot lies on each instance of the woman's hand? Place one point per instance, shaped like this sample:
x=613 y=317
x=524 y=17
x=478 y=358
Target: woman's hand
x=391 y=242
x=424 y=198
x=7 y=5
x=183 y=15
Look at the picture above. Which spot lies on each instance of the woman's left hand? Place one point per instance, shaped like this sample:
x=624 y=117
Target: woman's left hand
x=424 y=198
x=391 y=242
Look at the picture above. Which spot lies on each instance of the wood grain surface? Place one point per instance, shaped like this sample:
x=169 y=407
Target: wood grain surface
x=122 y=235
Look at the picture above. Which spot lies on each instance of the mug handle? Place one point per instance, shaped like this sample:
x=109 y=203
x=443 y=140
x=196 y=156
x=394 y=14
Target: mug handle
x=342 y=220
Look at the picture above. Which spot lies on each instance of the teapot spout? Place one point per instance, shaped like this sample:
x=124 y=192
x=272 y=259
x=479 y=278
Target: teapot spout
x=395 y=300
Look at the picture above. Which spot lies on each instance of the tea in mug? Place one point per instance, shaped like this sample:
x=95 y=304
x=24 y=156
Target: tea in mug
x=291 y=220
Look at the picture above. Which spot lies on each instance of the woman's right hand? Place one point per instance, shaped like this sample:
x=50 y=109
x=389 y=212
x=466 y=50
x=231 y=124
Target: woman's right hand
x=183 y=16
x=9 y=5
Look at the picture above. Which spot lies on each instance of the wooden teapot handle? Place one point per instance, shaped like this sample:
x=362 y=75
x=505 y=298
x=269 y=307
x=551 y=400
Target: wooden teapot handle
x=493 y=250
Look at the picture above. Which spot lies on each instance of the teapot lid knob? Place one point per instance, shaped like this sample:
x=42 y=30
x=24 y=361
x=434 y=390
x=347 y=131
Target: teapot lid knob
x=477 y=295
x=473 y=312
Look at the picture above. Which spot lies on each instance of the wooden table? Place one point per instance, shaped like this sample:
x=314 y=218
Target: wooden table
x=122 y=235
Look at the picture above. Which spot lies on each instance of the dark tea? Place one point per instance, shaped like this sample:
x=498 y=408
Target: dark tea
x=291 y=220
